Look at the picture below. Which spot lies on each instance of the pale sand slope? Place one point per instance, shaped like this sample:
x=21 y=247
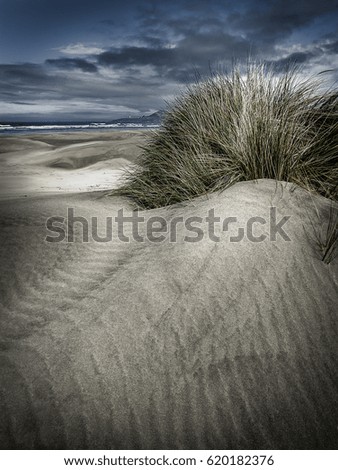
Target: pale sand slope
x=171 y=345
x=72 y=162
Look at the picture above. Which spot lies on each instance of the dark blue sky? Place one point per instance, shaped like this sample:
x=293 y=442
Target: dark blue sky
x=102 y=59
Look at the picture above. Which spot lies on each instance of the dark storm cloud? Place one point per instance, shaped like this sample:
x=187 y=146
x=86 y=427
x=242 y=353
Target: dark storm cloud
x=260 y=22
x=319 y=51
x=75 y=63
x=34 y=87
x=65 y=86
x=295 y=59
x=158 y=23
x=19 y=72
x=24 y=81
x=192 y=53
x=268 y=20
x=127 y=56
x=137 y=54
x=202 y=48
x=331 y=48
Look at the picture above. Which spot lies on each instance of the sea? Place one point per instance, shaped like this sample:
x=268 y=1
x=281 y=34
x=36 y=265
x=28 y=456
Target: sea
x=39 y=128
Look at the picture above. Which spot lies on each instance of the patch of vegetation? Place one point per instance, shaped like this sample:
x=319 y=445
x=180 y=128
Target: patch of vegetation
x=237 y=127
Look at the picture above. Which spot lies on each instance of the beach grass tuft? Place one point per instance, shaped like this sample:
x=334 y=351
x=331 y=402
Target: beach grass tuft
x=239 y=127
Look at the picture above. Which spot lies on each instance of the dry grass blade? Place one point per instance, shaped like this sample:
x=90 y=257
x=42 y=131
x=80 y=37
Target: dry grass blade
x=329 y=244
x=234 y=128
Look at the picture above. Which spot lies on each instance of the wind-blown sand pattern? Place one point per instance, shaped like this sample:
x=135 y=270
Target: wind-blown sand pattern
x=168 y=345
x=73 y=162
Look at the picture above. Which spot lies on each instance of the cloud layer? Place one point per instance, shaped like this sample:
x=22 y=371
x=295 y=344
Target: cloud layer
x=132 y=64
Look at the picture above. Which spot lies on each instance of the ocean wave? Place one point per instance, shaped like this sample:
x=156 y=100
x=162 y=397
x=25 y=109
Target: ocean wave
x=69 y=127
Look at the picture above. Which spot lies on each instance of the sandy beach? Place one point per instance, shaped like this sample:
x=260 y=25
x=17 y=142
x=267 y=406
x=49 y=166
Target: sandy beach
x=65 y=162
x=160 y=345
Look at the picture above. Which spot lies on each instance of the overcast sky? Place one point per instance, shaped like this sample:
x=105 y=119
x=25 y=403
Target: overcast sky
x=104 y=59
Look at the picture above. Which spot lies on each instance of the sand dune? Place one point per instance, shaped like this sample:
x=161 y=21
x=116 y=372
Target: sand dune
x=81 y=155
x=169 y=345
x=22 y=144
x=36 y=164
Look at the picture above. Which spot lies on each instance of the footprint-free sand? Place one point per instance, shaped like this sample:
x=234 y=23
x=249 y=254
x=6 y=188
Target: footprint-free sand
x=65 y=162
x=209 y=344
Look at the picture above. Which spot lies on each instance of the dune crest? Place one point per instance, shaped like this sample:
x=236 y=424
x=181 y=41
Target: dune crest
x=208 y=345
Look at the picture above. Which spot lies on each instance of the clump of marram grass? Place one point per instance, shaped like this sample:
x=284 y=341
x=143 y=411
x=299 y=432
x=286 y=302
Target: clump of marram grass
x=235 y=128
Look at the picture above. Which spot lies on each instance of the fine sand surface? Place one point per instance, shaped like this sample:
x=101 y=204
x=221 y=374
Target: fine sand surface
x=65 y=162
x=211 y=345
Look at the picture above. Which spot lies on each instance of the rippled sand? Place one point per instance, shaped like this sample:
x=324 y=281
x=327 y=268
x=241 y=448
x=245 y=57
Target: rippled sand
x=210 y=345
